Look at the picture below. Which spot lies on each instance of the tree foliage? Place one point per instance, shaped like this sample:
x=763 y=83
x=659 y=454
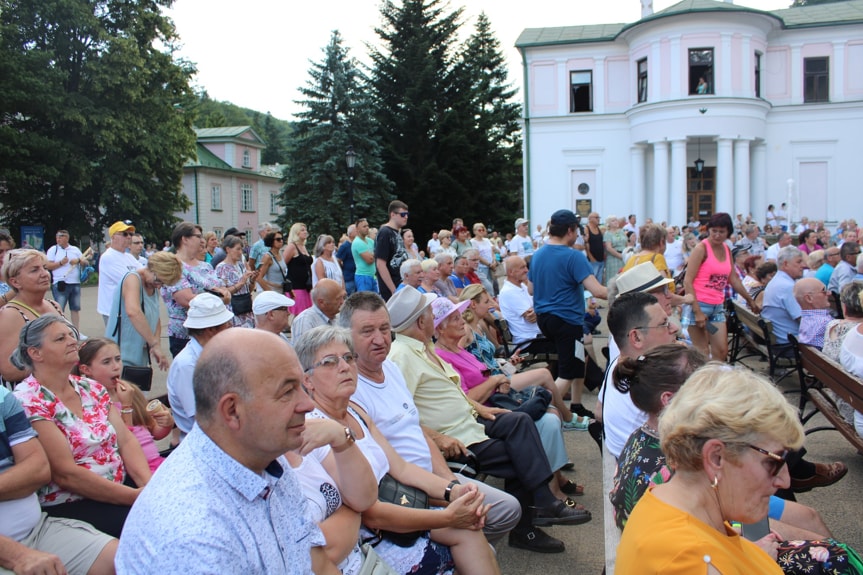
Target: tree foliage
x=93 y=126
x=449 y=129
x=335 y=116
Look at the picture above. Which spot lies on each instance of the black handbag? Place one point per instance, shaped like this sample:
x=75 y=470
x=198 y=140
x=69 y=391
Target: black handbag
x=532 y=400
x=391 y=490
x=241 y=303
x=140 y=376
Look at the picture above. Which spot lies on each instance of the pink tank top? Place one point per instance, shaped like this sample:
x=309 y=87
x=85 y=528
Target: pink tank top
x=712 y=277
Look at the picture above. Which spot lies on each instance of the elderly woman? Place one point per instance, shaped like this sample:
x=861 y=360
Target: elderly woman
x=431 y=275
x=134 y=322
x=445 y=238
x=327 y=357
x=709 y=270
x=652 y=380
x=813 y=262
x=459 y=275
x=325 y=264
x=763 y=274
x=25 y=271
x=411 y=247
x=652 y=238
x=445 y=286
x=461 y=241
x=479 y=384
x=197 y=277
x=235 y=276
x=726 y=434
x=97 y=466
x=615 y=243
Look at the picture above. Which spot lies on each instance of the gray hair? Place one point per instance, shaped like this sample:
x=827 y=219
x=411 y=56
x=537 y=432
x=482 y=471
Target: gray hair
x=849 y=296
x=361 y=300
x=442 y=258
x=788 y=254
x=310 y=342
x=264 y=226
x=215 y=375
x=408 y=265
x=323 y=240
x=33 y=335
x=469 y=252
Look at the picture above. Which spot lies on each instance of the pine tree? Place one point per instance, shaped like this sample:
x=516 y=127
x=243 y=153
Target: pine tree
x=336 y=116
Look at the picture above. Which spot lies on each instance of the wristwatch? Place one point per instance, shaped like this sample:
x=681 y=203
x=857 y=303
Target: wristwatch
x=447 y=493
x=350 y=439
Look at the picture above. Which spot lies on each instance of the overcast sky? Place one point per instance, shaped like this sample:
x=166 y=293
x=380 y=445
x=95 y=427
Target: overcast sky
x=256 y=53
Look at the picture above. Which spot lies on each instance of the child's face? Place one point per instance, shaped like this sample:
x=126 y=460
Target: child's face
x=105 y=367
x=591 y=304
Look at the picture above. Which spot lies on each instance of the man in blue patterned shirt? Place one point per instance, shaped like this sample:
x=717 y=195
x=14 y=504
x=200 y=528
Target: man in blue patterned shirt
x=226 y=499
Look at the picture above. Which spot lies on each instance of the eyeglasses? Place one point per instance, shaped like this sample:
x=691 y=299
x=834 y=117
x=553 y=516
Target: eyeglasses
x=404 y=214
x=332 y=361
x=661 y=290
x=126 y=234
x=776 y=461
x=664 y=325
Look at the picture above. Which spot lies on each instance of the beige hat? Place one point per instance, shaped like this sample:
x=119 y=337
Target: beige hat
x=406 y=305
x=206 y=310
x=643 y=277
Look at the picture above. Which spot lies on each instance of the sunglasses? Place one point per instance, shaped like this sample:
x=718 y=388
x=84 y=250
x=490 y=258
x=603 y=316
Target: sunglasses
x=776 y=460
x=126 y=234
x=404 y=214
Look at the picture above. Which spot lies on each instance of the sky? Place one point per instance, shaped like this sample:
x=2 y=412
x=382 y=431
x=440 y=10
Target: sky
x=257 y=53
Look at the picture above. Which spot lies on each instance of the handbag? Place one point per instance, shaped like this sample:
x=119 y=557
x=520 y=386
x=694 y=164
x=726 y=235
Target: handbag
x=373 y=564
x=533 y=400
x=241 y=303
x=391 y=490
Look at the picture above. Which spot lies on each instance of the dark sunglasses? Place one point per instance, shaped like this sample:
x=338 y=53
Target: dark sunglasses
x=776 y=460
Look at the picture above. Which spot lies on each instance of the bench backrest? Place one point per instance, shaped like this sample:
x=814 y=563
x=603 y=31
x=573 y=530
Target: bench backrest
x=832 y=375
x=759 y=326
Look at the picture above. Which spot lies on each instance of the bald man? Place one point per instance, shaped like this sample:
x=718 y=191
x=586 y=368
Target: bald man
x=327 y=299
x=814 y=300
x=227 y=495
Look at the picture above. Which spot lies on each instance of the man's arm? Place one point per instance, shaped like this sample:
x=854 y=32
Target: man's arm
x=444 y=444
x=384 y=274
x=22 y=560
x=30 y=472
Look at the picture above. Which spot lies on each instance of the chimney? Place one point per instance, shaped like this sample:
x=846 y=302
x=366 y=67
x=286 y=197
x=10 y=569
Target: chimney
x=646 y=8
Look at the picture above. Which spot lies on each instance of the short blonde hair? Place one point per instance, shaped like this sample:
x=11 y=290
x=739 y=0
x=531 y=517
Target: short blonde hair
x=294 y=233
x=732 y=404
x=429 y=264
x=166 y=266
x=444 y=234
x=16 y=260
x=472 y=292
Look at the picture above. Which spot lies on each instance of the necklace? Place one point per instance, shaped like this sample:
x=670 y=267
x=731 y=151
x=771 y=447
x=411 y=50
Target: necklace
x=649 y=430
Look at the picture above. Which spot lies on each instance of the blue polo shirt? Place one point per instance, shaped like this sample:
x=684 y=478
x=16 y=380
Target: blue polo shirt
x=557 y=273
x=781 y=308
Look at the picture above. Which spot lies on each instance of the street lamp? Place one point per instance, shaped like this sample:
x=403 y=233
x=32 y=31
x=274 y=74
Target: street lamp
x=351 y=161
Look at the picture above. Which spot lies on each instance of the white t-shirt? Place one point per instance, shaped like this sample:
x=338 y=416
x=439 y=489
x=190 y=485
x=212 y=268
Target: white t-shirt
x=113 y=265
x=772 y=253
x=392 y=408
x=514 y=301
x=620 y=417
x=485 y=250
x=522 y=245
x=674 y=255
x=68 y=273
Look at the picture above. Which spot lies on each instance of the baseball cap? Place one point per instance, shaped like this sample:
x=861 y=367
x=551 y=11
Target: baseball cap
x=564 y=218
x=520 y=221
x=119 y=228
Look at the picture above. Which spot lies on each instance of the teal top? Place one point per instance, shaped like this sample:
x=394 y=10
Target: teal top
x=133 y=348
x=359 y=246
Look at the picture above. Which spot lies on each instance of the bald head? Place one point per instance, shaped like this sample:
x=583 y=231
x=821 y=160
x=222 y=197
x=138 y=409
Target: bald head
x=811 y=293
x=516 y=269
x=328 y=295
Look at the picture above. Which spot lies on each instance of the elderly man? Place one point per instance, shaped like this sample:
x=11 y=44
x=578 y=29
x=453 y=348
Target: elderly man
x=752 y=240
x=383 y=393
x=506 y=444
x=63 y=262
x=782 y=240
x=113 y=265
x=780 y=307
x=846 y=269
x=258 y=249
x=207 y=317
x=521 y=243
x=30 y=541
x=227 y=496
x=560 y=275
x=814 y=301
x=327 y=299
x=412 y=274
x=271 y=313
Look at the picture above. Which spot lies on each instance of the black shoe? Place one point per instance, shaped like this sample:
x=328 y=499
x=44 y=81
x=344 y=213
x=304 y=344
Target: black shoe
x=559 y=513
x=579 y=409
x=536 y=540
x=568 y=466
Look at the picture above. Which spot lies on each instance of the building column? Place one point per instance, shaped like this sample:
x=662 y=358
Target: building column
x=741 y=178
x=637 y=178
x=724 y=67
x=598 y=86
x=659 y=209
x=837 y=72
x=677 y=197
x=758 y=183
x=654 y=80
x=724 y=176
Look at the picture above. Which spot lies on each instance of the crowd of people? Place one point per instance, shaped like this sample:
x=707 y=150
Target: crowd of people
x=329 y=400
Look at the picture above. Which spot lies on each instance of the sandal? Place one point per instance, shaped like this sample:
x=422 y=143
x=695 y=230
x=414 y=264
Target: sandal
x=572 y=488
x=570 y=503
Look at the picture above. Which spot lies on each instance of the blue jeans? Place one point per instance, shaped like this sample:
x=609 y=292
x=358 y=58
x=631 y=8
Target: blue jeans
x=598 y=268
x=366 y=283
x=350 y=286
x=71 y=295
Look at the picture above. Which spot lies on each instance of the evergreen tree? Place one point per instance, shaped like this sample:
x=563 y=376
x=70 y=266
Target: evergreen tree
x=274 y=153
x=336 y=115
x=93 y=125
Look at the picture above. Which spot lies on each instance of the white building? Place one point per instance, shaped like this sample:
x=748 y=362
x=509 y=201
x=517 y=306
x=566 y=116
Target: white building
x=615 y=118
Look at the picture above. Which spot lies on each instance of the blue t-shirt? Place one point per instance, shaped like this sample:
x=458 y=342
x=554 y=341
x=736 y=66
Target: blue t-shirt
x=349 y=268
x=557 y=272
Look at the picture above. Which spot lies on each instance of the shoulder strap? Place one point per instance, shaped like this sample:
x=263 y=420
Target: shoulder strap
x=25 y=306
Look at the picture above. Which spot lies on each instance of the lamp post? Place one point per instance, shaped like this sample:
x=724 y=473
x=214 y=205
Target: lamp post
x=351 y=161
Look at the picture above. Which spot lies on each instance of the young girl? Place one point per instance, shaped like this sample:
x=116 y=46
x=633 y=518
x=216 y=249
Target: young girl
x=99 y=359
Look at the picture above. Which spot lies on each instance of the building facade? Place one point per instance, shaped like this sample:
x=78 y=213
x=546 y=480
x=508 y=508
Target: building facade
x=770 y=103
x=227 y=184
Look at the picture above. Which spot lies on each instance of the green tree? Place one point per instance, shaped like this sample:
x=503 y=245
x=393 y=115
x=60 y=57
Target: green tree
x=93 y=125
x=336 y=115
x=274 y=153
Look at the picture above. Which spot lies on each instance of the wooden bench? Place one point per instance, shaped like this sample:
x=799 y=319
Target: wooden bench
x=818 y=373
x=753 y=337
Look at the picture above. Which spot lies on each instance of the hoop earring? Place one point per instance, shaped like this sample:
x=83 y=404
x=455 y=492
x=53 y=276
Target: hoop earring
x=715 y=483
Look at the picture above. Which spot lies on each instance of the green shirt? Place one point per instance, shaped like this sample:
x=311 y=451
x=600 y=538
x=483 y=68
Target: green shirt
x=359 y=246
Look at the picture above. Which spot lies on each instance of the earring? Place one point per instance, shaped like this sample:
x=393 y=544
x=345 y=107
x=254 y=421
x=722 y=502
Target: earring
x=715 y=483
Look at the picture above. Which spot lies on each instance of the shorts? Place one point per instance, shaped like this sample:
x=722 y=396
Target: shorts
x=565 y=337
x=76 y=543
x=72 y=295
x=715 y=314
x=366 y=283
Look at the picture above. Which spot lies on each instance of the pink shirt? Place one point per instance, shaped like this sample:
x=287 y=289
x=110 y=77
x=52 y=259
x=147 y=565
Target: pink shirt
x=148 y=445
x=712 y=276
x=469 y=368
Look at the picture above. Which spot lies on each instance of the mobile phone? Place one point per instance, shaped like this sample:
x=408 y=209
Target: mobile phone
x=711 y=328
x=755 y=531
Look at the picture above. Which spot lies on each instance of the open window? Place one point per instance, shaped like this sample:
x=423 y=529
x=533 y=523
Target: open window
x=581 y=91
x=700 y=71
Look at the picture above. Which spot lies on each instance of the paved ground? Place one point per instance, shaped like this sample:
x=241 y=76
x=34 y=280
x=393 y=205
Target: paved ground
x=839 y=504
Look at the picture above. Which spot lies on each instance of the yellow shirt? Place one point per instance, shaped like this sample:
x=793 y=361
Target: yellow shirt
x=662 y=539
x=442 y=404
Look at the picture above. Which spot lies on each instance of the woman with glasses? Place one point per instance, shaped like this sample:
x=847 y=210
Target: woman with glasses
x=299 y=264
x=97 y=466
x=709 y=270
x=273 y=273
x=326 y=354
x=134 y=322
x=236 y=276
x=27 y=273
x=711 y=454
x=197 y=277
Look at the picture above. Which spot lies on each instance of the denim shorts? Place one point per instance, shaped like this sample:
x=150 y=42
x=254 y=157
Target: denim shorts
x=715 y=313
x=72 y=295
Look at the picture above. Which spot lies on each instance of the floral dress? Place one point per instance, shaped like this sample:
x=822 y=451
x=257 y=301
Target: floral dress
x=230 y=274
x=198 y=277
x=613 y=264
x=92 y=439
